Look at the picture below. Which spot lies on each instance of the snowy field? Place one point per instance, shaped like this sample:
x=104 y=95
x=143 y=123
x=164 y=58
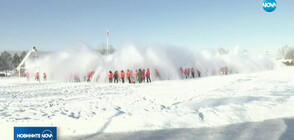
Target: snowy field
x=218 y=107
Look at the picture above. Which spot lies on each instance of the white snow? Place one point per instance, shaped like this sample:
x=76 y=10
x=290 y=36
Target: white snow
x=83 y=109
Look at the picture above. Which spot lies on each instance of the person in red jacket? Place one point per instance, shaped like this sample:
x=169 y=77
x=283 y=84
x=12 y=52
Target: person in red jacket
x=28 y=76
x=157 y=74
x=110 y=76
x=148 y=76
x=226 y=70
x=143 y=75
x=189 y=71
x=115 y=76
x=129 y=75
x=77 y=77
x=90 y=75
x=199 y=73
x=192 y=73
x=37 y=77
x=136 y=75
x=181 y=73
x=186 y=73
x=45 y=76
x=122 y=76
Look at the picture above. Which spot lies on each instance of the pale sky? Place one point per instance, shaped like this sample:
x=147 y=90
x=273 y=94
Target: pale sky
x=194 y=24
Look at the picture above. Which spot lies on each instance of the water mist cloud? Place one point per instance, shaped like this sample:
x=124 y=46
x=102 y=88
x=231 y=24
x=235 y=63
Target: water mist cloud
x=82 y=60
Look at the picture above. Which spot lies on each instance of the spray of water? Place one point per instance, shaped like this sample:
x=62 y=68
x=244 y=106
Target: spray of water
x=82 y=60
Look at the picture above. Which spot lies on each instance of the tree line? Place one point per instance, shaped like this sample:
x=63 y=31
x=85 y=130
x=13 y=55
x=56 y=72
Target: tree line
x=9 y=62
x=286 y=52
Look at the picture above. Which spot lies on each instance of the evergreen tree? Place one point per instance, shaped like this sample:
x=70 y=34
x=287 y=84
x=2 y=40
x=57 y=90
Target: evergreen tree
x=15 y=60
x=6 y=61
x=22 y=55
x=222 y=51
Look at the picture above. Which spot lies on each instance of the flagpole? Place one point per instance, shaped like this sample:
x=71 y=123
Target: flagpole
x=107 y=40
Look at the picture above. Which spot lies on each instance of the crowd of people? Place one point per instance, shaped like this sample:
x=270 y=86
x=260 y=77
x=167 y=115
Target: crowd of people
x=37 y=76
x=140 y=76
x=189 y=73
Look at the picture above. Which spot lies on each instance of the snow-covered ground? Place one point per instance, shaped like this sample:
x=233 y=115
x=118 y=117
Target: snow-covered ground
x=274 y=129
x=92 y=110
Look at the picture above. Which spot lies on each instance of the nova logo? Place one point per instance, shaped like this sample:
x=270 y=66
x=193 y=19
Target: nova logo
x=47 y=135
x=269 y=5
x=35 y=133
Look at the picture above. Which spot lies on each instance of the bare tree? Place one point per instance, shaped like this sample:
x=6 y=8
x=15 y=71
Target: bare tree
x=222 y=51
x=290 y=54
x=282 y=52
x=102 y=49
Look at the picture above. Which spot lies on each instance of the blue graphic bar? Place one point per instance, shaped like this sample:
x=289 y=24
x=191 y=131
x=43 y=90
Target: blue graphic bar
x=35 y=133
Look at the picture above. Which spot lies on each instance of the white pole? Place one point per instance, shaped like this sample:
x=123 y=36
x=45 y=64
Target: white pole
x=107 y=34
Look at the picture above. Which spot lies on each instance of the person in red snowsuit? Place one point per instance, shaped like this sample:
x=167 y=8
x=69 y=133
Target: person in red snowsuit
x=37 y=77
x=115 y=75
x=148 y=76
x=28 y=76
x=189 y=71
x=136 y=74
x=192 y=73
x=181 y=73
x=224 y=70
x=199 y=73
x=143 y=75
x=186 y=73
x=129 y=75
x=110 y=75
x=77 y=77
x=122 y=76
x=45 y=76
x=89 y=76
x=157 y=74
